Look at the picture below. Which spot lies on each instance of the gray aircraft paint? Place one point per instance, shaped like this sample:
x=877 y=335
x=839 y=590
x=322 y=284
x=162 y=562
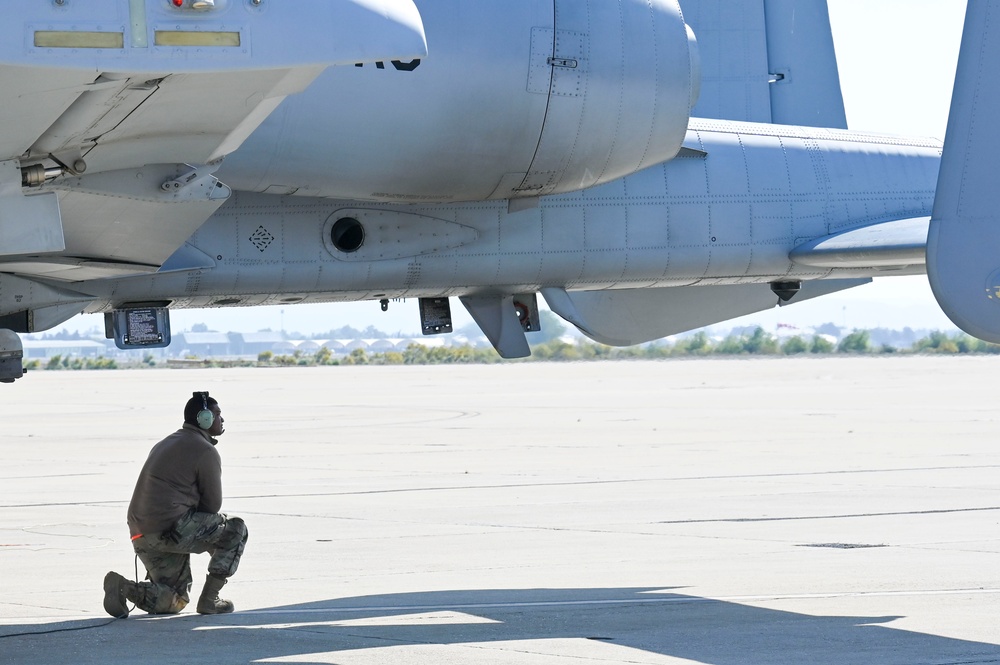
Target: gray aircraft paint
x=962 y=261
x=487 y=149
x=729 y=215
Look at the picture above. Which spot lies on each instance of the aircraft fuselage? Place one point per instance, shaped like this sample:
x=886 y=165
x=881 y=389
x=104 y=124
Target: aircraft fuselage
x=730 y=214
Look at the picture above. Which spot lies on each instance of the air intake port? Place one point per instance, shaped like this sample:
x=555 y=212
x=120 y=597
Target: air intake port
x=347 y=234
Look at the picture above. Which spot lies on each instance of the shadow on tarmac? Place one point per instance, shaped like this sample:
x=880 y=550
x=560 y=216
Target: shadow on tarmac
x=654 y=620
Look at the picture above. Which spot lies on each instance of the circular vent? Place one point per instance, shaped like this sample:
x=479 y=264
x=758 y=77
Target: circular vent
x=347 y=234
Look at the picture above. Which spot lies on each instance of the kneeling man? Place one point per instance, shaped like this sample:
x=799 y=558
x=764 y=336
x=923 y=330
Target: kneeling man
x=175 y=513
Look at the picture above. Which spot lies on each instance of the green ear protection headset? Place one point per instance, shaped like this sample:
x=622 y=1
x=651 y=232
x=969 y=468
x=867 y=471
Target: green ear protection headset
x=205 y=417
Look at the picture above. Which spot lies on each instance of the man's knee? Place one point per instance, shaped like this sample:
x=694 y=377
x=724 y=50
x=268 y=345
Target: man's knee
x=228 y=548
x=234 y=534
x=157 y=598
x=169 y=603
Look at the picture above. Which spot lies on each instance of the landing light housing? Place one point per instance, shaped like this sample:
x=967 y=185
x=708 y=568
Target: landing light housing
x=195 y=5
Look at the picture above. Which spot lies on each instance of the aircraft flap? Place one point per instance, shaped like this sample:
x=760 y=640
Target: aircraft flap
x=963 y=264
x=96 y=208
x=190 y=118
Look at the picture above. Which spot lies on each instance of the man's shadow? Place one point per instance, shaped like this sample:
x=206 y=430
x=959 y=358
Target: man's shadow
x=504 y=625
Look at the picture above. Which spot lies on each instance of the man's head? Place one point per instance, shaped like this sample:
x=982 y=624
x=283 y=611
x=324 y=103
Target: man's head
x=204 y=413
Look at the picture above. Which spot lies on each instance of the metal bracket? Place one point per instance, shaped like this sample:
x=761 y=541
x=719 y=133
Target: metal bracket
x=198 y=183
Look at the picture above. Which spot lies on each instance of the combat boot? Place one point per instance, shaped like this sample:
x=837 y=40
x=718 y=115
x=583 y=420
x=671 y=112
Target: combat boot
x=116 y=591
x=210 y=603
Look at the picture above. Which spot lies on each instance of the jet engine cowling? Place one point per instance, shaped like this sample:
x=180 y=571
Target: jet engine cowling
x=622 y=80
x=518 y=98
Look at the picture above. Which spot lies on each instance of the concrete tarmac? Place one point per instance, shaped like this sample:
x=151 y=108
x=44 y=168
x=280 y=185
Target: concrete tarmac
x=838 y=510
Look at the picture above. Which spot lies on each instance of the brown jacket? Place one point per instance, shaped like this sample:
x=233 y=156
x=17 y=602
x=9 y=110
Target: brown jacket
x=183 y=472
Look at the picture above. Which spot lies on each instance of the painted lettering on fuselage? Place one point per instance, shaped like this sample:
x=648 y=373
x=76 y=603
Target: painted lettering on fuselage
x=399 y=65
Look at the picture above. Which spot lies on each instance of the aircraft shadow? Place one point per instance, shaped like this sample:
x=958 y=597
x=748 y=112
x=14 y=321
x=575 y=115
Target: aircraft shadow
x=625 y=621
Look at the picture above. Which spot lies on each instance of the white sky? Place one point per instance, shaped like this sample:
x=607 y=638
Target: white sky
x=897 y=63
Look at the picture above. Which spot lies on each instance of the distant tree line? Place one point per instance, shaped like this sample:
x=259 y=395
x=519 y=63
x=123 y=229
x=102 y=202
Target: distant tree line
x=69 y=362
x=757 y=343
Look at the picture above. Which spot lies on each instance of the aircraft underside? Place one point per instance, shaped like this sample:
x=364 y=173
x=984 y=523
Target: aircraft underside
x=695 y=222
x=169 y=157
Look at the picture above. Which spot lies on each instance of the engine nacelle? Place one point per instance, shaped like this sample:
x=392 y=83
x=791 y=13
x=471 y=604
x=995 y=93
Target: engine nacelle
x=622 y=82
x=520 y=98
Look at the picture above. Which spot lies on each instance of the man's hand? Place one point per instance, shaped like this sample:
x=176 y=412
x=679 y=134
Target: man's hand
x=172 y=535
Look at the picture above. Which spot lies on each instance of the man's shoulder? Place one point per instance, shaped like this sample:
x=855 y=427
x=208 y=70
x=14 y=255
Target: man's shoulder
x=186 y=437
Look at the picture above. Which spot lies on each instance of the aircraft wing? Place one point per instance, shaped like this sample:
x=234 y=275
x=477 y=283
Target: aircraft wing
x=134 y=103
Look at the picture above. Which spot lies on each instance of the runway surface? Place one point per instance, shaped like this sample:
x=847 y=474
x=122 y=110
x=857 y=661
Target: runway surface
x=840 y=510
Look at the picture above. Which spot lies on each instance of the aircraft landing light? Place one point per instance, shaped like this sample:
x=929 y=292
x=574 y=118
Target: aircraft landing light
x=198 y=5
x=192 y=38
x=78 y=39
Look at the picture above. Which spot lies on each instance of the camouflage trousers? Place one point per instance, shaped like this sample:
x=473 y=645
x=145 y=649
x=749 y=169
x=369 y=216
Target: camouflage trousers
x=167 y=558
